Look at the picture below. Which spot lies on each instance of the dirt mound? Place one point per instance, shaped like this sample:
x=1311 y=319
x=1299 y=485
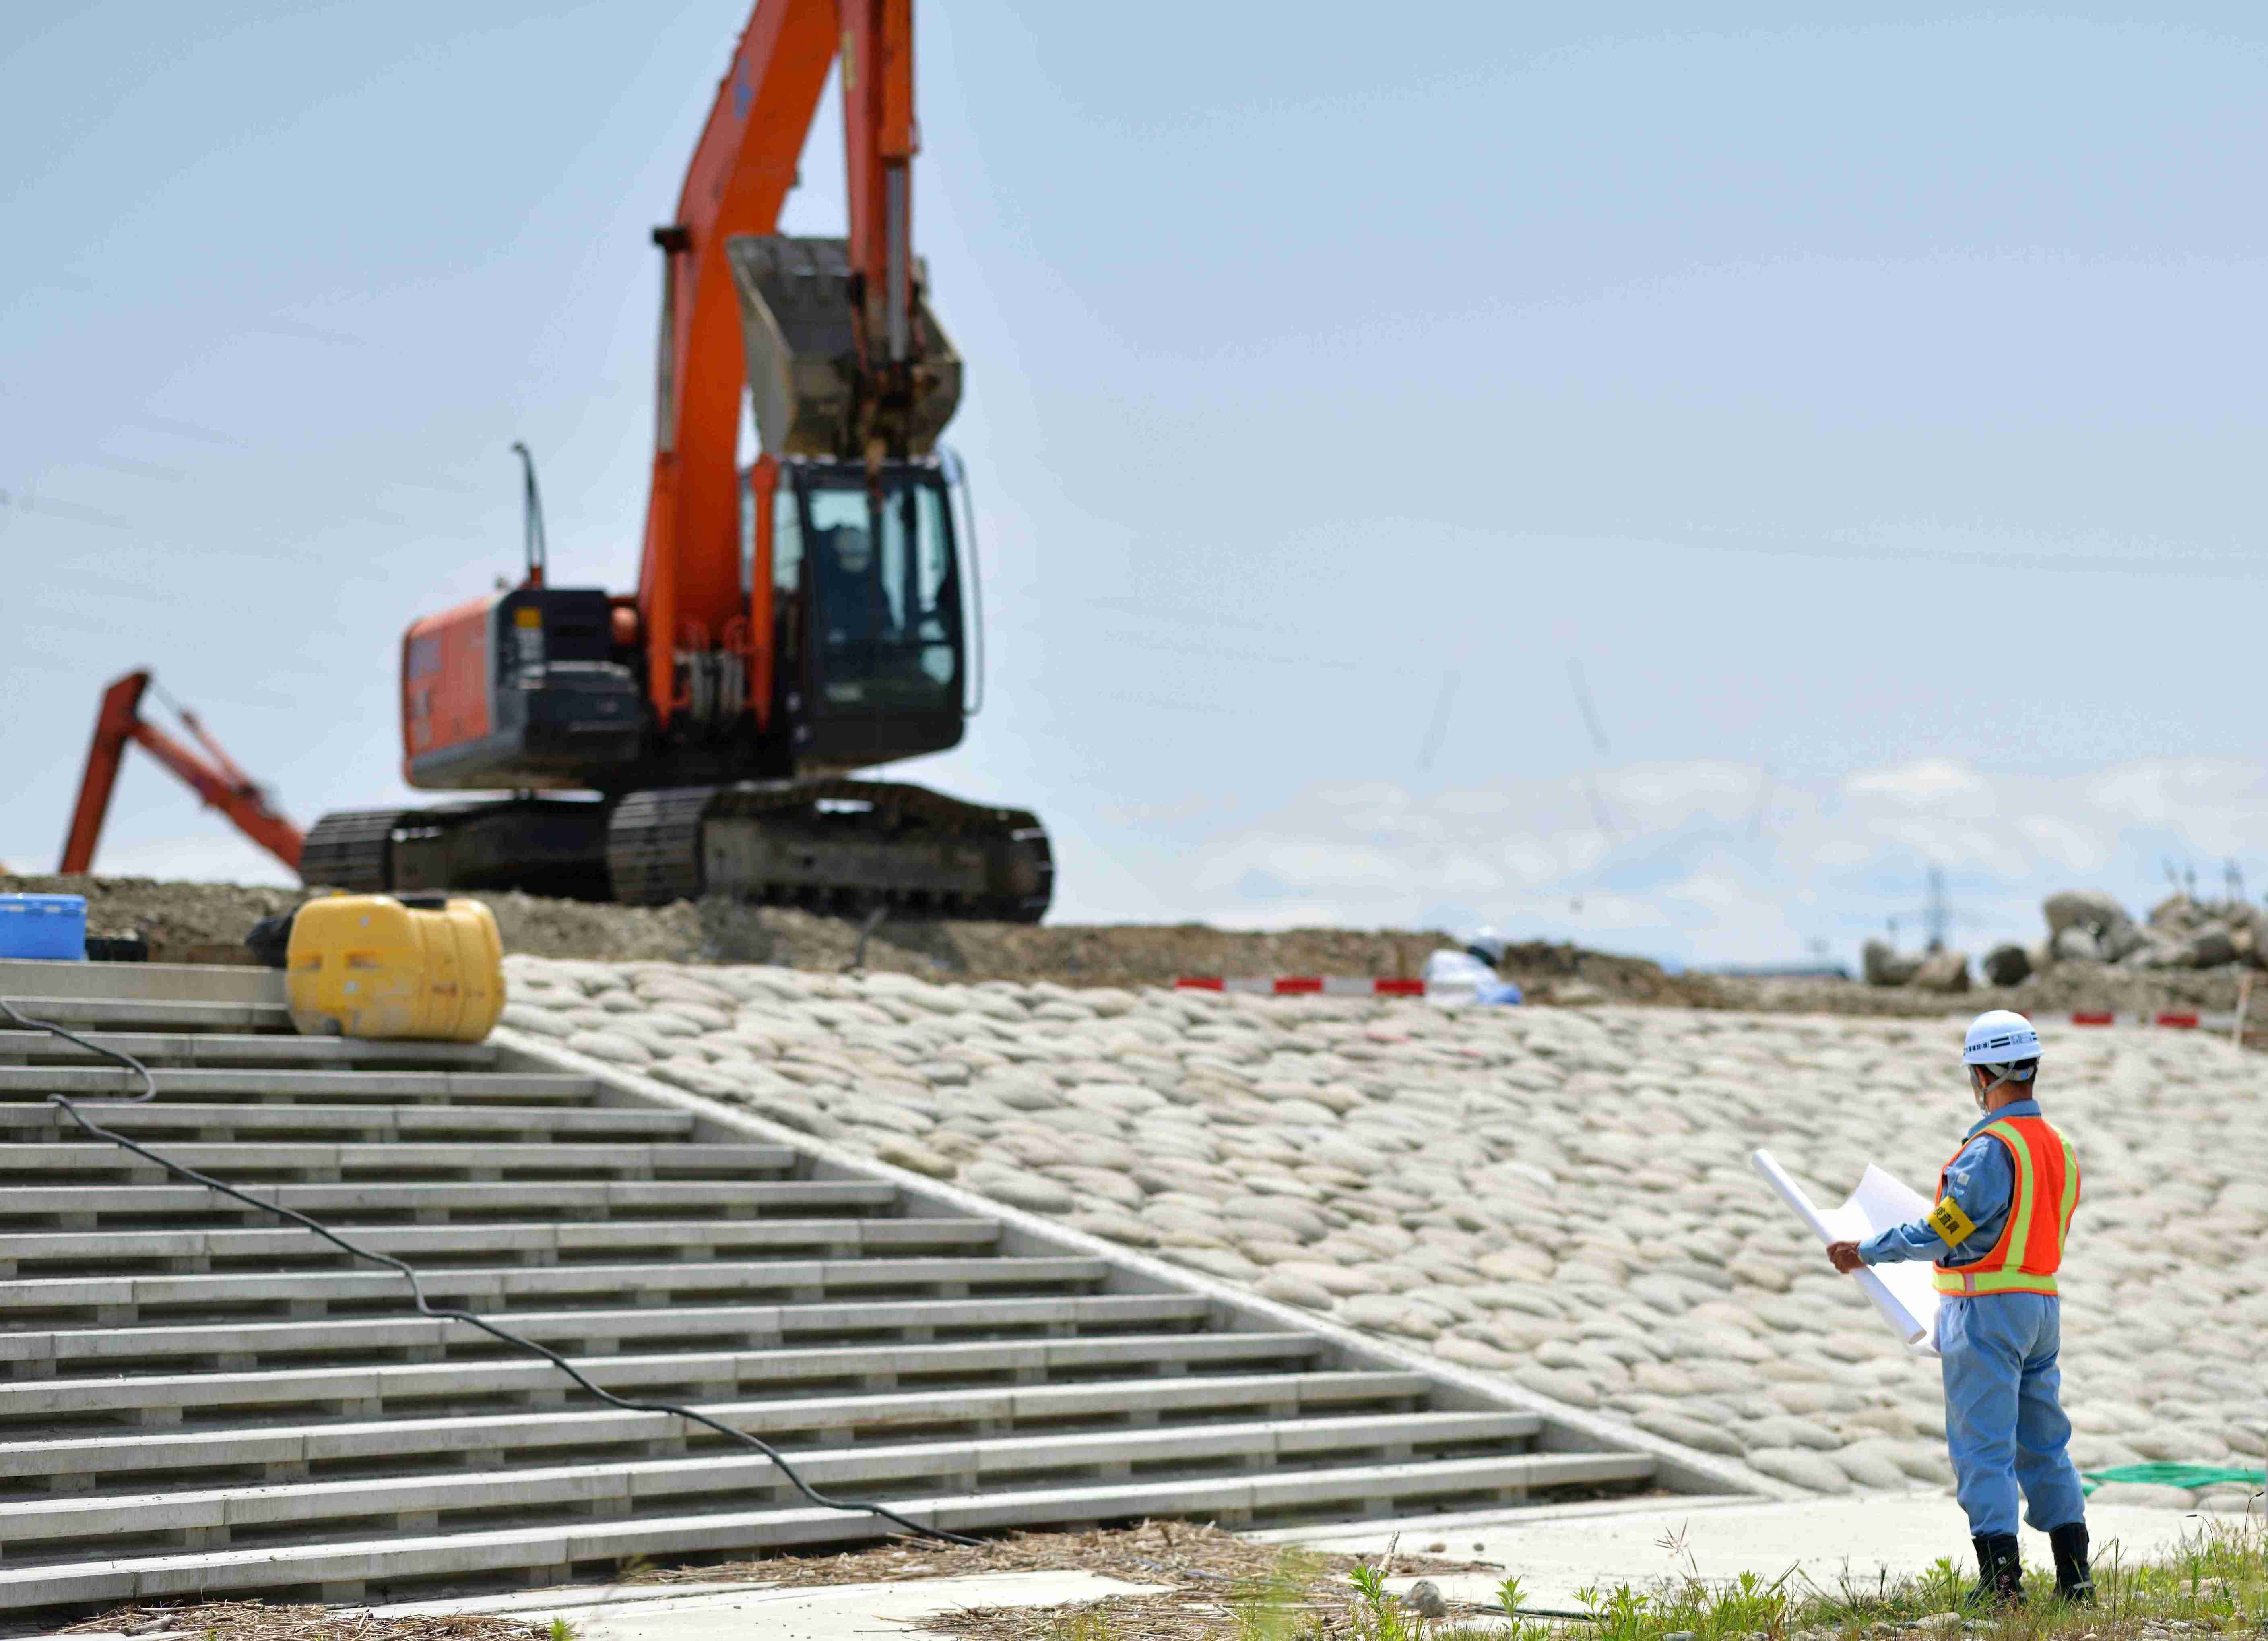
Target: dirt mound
x=207 y=922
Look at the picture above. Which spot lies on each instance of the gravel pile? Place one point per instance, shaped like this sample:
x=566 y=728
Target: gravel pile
x=1561 y=1196
x=207 y=923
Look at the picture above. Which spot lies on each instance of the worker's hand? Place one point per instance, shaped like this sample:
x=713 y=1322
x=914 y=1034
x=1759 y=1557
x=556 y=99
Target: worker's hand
x=1843 y=1256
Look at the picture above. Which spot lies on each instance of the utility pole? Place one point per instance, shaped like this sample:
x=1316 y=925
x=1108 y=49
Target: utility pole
x=1937 y=916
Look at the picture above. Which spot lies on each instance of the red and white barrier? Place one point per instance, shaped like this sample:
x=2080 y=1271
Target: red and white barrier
x=2172 y=1019
x=1301 y=985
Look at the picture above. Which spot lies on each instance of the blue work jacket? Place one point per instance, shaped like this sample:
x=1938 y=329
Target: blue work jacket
x=1982 y=1181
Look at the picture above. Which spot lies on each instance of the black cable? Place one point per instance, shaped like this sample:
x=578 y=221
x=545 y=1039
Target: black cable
x=417 y=1293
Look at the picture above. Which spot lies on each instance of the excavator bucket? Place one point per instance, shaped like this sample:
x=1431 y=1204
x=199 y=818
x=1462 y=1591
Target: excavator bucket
x=799 y=329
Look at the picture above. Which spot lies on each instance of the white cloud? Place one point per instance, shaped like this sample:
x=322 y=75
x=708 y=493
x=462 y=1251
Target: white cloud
x=1931 y=781
x=1700 y=871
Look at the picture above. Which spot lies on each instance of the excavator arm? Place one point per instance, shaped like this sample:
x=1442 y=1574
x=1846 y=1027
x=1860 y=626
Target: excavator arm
x=873 y=399
x=213 y=777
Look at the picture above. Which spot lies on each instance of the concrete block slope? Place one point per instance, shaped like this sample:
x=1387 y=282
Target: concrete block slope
x=1555 y=1201
x=195 y=1397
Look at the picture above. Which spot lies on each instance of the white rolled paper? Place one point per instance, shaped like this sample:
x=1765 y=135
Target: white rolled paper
x=1903 y=1293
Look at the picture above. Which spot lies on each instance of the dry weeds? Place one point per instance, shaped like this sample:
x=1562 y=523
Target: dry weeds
x=257 y=1620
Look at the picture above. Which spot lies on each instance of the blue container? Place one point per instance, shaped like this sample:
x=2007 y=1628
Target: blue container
x=43 y=925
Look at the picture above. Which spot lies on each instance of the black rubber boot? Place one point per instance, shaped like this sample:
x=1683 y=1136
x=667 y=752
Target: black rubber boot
x=1999 y=1572
x=2074 y=1581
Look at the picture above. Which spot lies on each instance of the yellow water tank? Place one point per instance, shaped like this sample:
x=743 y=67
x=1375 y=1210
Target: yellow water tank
x=424 y=967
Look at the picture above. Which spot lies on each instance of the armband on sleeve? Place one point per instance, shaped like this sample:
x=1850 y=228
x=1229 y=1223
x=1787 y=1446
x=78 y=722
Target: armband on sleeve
x=1949 y=1222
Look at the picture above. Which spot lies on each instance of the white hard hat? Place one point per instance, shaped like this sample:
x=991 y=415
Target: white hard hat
x=1489 y=943
x=1998 y=1036
x=2001 y=1040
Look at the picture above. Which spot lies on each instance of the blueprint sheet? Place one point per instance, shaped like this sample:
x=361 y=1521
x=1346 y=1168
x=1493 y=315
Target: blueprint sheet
x=1902 y=1293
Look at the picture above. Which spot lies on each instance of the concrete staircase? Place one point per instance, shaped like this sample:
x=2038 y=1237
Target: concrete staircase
x=198 y=1399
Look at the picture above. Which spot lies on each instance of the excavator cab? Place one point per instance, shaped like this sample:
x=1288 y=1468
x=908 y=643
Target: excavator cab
x=868 y=634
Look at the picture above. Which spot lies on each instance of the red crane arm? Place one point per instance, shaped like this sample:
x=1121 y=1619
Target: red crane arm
x=743 y=165
x=226 y=788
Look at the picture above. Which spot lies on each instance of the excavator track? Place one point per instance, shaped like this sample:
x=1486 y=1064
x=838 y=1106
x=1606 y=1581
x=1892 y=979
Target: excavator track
x=653 y=845
x=832 y=845
x=839 y=845
x=352 y=850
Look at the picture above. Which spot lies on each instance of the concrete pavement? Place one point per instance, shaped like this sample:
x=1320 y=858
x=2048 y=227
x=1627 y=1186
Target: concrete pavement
x=1556 y=1553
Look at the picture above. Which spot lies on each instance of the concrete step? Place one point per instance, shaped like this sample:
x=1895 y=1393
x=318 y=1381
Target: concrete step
x=155 y=1119
x=35 y=1162
x=206 y=1083
x=245 y=1049
x=152 y=1014
x=547 y=1242
x=244 y=1346
x=355 y=1570
x=206 y=1518
x=84 y=1207
x=204 y=1400
x=690 y=1376
x=272 y=1450
x=120 y=1300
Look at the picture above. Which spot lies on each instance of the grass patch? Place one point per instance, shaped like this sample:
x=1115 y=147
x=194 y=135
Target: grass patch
x=2215 y=1584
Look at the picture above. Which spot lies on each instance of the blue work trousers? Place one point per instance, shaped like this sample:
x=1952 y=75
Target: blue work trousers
x=2002 y=1421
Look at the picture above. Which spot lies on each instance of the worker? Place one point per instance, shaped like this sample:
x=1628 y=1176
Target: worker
x=853 y=612
x=1469 y=976
x=1996 y=1238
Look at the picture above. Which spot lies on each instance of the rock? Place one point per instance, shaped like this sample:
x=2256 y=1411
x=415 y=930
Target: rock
x=1943 y=971
x=541 y=1022
x=612 y=1046
x=2076 y=945
x=1223 y=1262
x=2007 y=964
x=1289 y=1289
x=1388 y=1313
x=2210 y=948
x=2120 y=940
x=1883 y=966
x=793 y=1111
x=1019 y=1189
x=1114 y=1227
x=1690 y=1433
x=1814 y=1471
x=1868 y=1466
x=695 y=1079
x=1473 y=1353
x=1782 y=1429
x=2155 y=953
x=900 y=1152
x=2082 y=908
x=1423 y=1598
x=2143 y=1493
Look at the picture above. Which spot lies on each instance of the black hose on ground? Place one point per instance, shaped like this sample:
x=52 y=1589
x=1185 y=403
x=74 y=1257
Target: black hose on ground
x=426 y=1307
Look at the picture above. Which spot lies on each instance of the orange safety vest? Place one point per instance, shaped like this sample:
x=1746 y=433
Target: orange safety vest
x=2030 y=1249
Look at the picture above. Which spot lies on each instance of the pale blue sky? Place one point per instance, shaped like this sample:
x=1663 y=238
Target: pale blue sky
x=1855 y=402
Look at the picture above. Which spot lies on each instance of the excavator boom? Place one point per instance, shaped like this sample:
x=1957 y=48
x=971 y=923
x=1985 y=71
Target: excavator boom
x=838 y=361
x=214 y=778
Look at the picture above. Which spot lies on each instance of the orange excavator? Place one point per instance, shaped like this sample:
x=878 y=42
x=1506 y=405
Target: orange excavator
x=813 y=614
x=212 y=775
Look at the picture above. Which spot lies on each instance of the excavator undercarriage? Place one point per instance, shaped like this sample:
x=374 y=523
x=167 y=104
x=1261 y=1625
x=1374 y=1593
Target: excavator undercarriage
x=832 y=846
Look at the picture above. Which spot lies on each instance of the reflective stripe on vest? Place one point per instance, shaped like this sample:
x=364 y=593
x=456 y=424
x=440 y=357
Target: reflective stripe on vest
x=2030 y=1252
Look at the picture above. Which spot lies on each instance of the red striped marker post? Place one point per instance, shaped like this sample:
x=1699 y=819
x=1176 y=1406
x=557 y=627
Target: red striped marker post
x=1301 y=985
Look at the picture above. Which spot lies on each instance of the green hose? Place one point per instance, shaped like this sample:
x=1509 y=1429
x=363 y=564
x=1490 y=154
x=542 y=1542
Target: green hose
x=2174 y=1475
